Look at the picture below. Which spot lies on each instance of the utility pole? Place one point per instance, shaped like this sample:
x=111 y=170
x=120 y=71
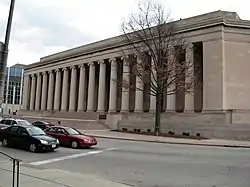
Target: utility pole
x=4 y=50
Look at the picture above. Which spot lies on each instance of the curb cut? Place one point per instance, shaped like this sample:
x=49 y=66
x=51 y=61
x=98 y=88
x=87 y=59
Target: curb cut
x=175 y=143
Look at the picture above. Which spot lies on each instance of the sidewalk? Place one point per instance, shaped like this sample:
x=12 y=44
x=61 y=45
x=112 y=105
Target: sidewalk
x=155 y=139
x=30 y=177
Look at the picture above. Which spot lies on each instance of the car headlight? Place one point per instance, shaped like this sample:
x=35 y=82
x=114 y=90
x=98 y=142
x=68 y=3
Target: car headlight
x=44 y=142
x=57 y=141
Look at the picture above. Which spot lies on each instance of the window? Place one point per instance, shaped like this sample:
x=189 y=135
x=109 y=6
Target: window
x=35 y=131
x=3 y=121
x=53 y=130
x=8 y=122
x=23 y=122
x=22 y=131
x=13 y=129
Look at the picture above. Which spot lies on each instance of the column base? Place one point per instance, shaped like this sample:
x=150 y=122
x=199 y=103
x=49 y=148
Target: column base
x=168 y=111
x=152 y=111
x=63 y=110
x=90 y=111
x=112 y=111
x=124 y=111
x=72 y=110
x=189 y=111
x=80 y=110
x=138 y=111
x=101 y=111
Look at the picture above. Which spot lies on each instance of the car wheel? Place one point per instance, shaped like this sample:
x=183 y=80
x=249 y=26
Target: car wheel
x=5 y=143
x=32 y=148
x=74 y=144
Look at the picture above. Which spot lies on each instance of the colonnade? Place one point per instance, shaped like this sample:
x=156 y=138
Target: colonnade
x=90 y=87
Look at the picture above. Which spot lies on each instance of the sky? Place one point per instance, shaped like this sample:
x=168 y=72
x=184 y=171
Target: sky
x=44 y=27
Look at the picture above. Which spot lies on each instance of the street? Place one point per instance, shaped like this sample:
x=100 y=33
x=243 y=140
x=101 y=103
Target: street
x=149 y=164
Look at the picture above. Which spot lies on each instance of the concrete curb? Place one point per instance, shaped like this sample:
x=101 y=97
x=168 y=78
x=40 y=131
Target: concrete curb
x=169 y=142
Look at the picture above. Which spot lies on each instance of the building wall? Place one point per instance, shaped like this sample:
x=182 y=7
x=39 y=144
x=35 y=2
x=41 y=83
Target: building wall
x=223 y=81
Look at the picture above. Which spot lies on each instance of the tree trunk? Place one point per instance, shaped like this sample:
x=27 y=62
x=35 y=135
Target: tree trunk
x=158 y=113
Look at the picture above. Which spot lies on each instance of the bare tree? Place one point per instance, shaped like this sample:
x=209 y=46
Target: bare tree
x=161 y=53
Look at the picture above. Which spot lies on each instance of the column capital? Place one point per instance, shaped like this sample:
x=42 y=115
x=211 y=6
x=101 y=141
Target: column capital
x=72 y=67
x=33 y=75
x=125 y=57
x=81 y=65
x=44 y=73
x=50 y=71
x=101 y=61
x=65 y=68
x=91 y=64
x=114 y=59
x=57 y=70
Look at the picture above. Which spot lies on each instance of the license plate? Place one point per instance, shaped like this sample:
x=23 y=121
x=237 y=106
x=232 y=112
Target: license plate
x=53 y=146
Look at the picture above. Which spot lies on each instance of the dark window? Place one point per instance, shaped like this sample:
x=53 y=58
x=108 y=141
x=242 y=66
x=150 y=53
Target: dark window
x=8 y=122
x=3 y=121
x=22 y=131
x=13 y=129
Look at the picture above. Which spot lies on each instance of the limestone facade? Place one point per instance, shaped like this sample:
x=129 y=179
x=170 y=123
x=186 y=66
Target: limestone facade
x=87 y=78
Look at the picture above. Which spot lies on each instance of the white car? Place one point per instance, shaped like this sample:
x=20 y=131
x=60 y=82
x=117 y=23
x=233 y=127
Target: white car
x=6 y=122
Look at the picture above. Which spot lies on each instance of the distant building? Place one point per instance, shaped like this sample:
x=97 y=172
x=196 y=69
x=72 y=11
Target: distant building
x=13 y=89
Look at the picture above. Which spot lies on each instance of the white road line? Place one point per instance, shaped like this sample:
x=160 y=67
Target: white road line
x=69 y=157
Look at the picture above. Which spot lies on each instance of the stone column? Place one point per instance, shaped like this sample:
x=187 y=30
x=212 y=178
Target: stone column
x=91 y=88
x=72 y=98
x=113 y=86
x=44 y=91
x=171 y=90
x=152 y=88
x=33 y=92
x=82 y=91
x=139 y=93
x=65 y=90
x=171 y=99
x=26 y=93
x=38 y=92
x=51 y=91
x=57 y=98
x=102 y=87
x=189 y=96
x=126 y=85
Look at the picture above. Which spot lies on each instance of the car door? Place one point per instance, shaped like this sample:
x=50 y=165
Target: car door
x=62 y=136
x=23 y=138
x=12 y=136
x=51 y=132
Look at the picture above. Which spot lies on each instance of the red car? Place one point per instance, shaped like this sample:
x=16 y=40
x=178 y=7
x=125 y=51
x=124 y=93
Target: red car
x=71 y=137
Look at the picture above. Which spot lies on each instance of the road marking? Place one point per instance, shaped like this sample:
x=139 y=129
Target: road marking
x=69 y=157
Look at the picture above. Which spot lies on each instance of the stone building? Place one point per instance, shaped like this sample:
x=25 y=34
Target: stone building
x=80 y=80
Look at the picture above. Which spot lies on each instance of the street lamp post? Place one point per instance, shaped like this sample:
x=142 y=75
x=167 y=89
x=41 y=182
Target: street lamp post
x=4 y=49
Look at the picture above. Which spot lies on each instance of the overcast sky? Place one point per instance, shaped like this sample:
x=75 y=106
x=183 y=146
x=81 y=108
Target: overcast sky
x=43 y=27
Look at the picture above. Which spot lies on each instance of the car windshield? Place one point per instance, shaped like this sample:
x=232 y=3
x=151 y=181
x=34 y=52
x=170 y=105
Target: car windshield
x=72 y=131
x=23 y=122
x=35 y=131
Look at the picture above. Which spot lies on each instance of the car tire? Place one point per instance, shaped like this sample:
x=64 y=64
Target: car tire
x=74 y=144
x=5 y=143
x=33 y=148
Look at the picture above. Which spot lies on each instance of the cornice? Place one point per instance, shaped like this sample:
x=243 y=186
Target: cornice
x=228 y=19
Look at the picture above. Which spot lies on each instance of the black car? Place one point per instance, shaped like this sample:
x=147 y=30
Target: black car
x=42 y=124
x=28 y=137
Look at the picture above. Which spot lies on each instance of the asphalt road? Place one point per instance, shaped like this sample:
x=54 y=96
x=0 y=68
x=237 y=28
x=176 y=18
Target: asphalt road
x=149 y=164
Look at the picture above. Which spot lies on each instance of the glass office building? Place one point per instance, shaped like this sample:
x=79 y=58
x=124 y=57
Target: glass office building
x=13 y=89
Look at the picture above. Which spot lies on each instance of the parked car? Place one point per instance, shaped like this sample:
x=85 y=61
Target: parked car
x=71 y=137
x=6 y=122
x=42 y=124
x=28 y=137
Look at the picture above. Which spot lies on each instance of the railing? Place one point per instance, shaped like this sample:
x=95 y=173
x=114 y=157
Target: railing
x=15 y=169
